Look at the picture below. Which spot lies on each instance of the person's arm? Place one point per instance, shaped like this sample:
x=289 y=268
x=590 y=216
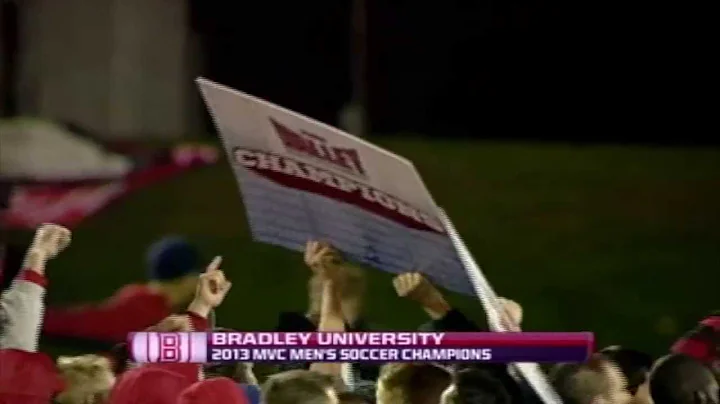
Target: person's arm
x=443 y=317
x=110 y=321
x=22 y=304
x=324 y=262
x=455 y=321
x=331 y=314
x=22 y=308
x=414 y=286
x=211 y=291
x=349 y=282
x=331 y=320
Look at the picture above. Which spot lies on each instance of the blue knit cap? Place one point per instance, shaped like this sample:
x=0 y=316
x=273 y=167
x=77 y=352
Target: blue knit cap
x=171 y=258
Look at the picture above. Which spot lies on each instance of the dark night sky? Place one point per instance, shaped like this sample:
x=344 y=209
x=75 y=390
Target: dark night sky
x=488 y=68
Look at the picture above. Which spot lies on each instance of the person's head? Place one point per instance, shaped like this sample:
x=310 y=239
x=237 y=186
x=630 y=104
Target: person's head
x=173 y=266
x=299 y=387
x=149 y=385
x=680 y=379
x=240 y=372
x=703 y=343
x=88 y=379
x=411 y=383
x=597 y=381
x=351 y=285
x=635 y=366
x=219 y=390
x=475 y=386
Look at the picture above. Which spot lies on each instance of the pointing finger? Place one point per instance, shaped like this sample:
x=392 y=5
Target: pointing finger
x=214 y=264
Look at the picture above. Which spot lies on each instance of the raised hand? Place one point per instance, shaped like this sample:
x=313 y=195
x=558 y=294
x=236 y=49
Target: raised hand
x=212 y=285
x=414 y=286
x=211 y=289
x=322 y=259
x=50 y=239
x=512 y=315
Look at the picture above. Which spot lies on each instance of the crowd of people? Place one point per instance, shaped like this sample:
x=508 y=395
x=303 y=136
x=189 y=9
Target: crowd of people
x=178 y=297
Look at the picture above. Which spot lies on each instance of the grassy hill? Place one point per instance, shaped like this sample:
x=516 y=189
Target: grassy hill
x=616 y=240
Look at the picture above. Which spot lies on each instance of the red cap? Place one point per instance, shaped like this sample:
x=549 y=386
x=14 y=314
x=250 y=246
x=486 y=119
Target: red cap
x=214 y=391
x=27 y=377
x=149 y=385
x=703 y=342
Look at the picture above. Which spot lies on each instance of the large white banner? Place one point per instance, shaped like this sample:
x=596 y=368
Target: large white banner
x=301 y=179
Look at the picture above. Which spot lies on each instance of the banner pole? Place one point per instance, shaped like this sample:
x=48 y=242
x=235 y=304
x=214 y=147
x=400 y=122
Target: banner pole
x=531 y=372
x=347 y=375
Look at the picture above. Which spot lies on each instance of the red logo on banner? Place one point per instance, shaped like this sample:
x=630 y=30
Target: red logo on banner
x=310 y=144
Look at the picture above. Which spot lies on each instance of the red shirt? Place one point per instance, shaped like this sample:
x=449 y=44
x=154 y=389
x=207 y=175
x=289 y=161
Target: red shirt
x=132 y=308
